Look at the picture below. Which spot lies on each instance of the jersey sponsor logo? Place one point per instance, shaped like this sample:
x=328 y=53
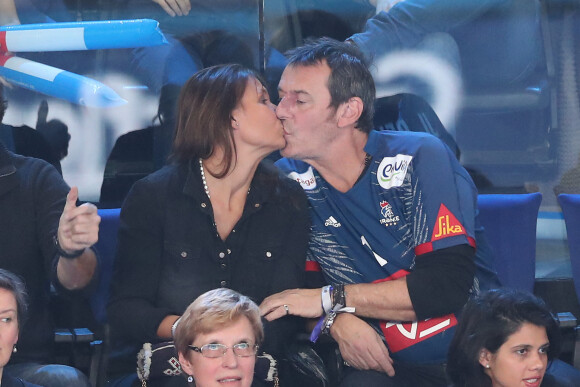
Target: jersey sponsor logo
x=392 y=170
x=306 y=179
x=389 y=217
x=400 y=336
x=332 y=222
x=447 y=225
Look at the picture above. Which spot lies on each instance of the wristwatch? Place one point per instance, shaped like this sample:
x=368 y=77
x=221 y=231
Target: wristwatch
x=328 y=321
x=64 y=254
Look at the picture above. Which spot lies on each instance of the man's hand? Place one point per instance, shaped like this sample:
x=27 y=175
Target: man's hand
x=300 y=302
x=360 y=345
x=175 y=7
x=78 y=227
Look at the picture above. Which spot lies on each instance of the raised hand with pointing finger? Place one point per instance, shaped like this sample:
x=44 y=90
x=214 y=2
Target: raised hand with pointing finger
x=78 y=227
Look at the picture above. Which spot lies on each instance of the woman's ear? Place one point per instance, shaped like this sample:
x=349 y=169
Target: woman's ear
x=484 y=358
x=185 y=364
x=235 y=124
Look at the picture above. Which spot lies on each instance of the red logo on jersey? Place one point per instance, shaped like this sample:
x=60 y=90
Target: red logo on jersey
x=404 y=335
x=447 y=225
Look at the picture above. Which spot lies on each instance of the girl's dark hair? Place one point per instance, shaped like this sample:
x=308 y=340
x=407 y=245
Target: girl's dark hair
x=486 y=323
x=204 y=115
x=15 y=285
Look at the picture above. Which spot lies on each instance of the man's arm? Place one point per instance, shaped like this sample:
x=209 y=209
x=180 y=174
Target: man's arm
x=438 y=285
x=407 y=23
x=387 y=301
x=78 y=230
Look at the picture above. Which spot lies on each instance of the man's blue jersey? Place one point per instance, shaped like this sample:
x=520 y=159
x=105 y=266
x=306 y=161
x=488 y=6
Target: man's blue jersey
x=414 y=198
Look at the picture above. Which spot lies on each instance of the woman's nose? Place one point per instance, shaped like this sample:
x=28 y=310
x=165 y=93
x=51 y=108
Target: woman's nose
x=230 y=359
x=537 y=362
x=281 y=109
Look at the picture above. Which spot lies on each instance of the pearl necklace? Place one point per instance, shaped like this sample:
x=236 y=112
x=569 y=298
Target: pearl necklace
x=204 y=182
x=205 y=187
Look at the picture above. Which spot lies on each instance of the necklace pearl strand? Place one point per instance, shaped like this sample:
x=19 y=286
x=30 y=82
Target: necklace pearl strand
x=204 y=182
x=205 y=187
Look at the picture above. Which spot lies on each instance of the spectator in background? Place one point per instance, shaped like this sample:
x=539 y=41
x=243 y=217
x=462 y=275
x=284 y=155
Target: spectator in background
x=45 y=238
x=181 y=21
x=443 y=49
x=55 y=132
x=499 y=41
x=24 y=140
x=504 y=338
x=13 y=308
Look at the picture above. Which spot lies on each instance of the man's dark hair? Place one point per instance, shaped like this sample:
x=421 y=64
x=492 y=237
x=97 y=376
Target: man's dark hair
x=349 y=75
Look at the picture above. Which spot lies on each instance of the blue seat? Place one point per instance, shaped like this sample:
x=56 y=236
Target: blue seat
x=570 y=204
x=106 y=247
x=510 y=224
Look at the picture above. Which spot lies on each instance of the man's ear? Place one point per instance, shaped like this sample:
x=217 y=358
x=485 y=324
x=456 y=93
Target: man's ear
x=349 y=112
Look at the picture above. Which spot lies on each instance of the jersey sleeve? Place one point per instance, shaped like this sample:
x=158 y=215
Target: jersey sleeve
x=443 y=199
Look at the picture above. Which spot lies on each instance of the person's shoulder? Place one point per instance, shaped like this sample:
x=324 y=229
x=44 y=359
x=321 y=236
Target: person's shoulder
x=163 y=175
x=33 y=166
x=287 y=165
x=401 y=135
x=271 y=174
x=285 y=187
x=402 y=141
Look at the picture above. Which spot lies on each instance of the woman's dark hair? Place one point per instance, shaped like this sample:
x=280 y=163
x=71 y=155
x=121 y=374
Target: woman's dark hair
x=349 y=75
x=204 y=115
x=486 y=323
x=15 y=285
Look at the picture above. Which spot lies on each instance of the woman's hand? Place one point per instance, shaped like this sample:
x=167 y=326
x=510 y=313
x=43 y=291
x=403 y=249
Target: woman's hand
x=297 y=302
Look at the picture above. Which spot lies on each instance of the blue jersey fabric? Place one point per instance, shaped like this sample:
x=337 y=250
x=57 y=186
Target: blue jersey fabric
x=413 y=199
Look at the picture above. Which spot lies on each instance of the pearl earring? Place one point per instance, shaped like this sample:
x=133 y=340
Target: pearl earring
x=14 y=350
x=487 y=366
x=190 y=379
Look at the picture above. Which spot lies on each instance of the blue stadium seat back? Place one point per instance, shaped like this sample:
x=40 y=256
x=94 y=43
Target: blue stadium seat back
x=570 y=204
x=510 y=222
x=106 y=248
